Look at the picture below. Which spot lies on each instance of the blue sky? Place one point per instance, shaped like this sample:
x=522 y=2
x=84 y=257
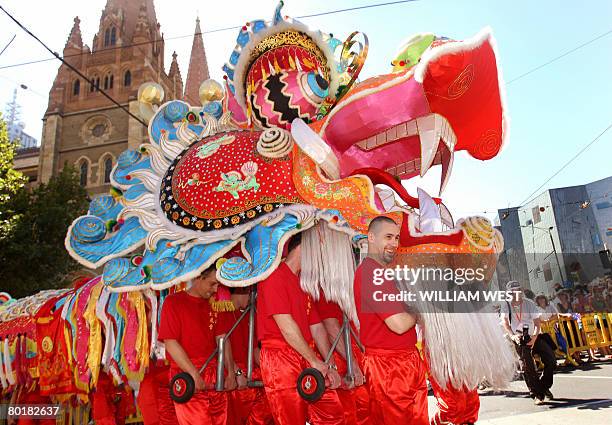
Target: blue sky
x=554 y=111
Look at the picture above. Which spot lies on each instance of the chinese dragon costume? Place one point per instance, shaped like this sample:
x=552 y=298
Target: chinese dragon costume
x=292 y=142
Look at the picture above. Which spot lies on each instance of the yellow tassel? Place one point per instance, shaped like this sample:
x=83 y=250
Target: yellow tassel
x=291 y=62
x=222 y=306
x=276 y=66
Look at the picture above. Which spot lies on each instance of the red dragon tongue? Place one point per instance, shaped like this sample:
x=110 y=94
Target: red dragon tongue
x=378 y=176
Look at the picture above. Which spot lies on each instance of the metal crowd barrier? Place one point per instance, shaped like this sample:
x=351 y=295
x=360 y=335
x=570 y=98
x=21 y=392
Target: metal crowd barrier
x=593 y=331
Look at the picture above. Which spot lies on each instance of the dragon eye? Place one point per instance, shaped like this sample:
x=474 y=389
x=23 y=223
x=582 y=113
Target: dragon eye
x=314 y=86
x=191 y=117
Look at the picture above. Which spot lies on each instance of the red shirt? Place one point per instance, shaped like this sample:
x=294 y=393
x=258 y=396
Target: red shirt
x=373 y=331
x=281 y=294
x=239 y=338
x=192 y=323
x=328 y=309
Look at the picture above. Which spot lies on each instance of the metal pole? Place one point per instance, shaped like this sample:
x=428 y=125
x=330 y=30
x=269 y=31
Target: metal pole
x=350 y=375
x=221 y=350
x=220 y=375
x=251 y=353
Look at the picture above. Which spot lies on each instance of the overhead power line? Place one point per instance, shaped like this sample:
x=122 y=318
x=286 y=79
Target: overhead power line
x=584 y=148
x=235 y=27
x=559 y=57
x=109 y=97
x=8 y=44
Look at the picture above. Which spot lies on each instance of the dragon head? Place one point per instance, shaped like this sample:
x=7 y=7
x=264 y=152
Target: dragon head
x=443 y=96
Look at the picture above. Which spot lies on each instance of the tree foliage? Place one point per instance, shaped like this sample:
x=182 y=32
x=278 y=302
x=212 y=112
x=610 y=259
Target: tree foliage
x=11 y=181
x=32 y=254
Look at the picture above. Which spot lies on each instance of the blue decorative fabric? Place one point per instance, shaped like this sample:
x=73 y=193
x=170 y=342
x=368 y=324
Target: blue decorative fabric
x=168 y=268
x=89 y=238
x=105 y=207
x=262 y=244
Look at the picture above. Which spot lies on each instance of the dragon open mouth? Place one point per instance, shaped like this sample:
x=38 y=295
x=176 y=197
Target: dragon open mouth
x=420 y=139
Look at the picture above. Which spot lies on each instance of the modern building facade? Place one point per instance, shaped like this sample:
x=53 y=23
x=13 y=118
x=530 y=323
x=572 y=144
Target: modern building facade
x=563 y=232
x=512 y=264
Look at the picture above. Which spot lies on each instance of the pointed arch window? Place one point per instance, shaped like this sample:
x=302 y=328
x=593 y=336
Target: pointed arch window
x=127 y=78
x=83 y=170
x=94 y=84
x=108 y=82
x=108 y=167
x=110 y=36
x=76 y=87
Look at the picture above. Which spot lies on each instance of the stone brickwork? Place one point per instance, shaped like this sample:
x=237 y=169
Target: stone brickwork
x=81 y=125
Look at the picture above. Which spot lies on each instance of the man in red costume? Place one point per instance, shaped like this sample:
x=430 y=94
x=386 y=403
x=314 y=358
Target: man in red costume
x=354 y=399
x=111 y=404
x=154 y=402
x=455 y=406
x=288 y=327
x=189 y=330
x=394 y=370
x=247 y=406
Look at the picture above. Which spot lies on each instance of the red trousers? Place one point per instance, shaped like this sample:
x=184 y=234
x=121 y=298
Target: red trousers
x=455 y=406
x=207 y=407
x=154 y=399
x=280 y=367
x=396 y=386
x=204 y=408
x=34 y=397
x=110 y=404
x=249 y=407
x=355 y=402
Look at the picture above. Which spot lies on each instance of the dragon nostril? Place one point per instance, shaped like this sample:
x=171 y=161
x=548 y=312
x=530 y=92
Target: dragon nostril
x=322 y=82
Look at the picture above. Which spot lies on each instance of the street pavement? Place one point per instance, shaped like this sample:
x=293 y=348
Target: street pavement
x=582 y=396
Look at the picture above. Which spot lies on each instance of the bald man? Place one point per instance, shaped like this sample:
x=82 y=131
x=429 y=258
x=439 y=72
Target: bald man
x=393 y=368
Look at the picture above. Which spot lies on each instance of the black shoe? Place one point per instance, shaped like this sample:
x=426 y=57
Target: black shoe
x=538 y=401
x=548 y=396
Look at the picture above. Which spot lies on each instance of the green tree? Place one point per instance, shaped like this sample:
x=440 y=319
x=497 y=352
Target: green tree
x=32 y=255
x=11 y=181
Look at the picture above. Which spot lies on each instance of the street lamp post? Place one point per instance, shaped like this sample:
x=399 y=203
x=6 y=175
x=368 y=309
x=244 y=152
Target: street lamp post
x=552 y=242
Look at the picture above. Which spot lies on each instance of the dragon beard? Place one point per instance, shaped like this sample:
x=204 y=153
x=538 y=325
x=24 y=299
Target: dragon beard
x=464 y=348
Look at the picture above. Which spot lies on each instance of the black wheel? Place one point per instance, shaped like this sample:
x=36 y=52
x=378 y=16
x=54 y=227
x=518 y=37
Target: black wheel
x=311 y=384
x=182 y=387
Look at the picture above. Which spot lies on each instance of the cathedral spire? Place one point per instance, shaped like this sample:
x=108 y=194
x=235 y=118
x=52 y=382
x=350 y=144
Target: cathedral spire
x=175 y=77
x=142 y=24
x=198 y=67
x=74 y=39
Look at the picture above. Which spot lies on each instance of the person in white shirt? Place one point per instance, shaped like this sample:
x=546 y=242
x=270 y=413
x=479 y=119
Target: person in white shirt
x=521 y=320
x=547 y=309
